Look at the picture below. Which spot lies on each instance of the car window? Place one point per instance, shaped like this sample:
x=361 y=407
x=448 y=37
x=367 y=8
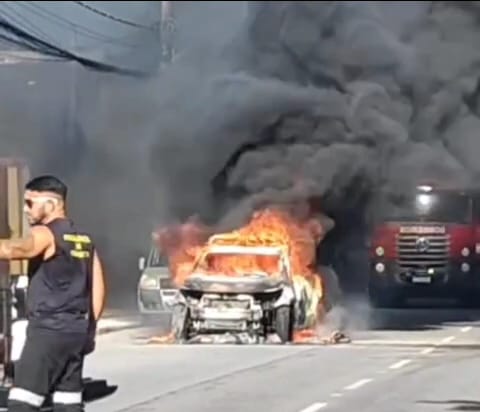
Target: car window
x=167 y=283
x=156 y=259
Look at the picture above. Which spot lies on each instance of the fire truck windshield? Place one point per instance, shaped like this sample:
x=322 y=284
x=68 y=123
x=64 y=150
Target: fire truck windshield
x=438 y=207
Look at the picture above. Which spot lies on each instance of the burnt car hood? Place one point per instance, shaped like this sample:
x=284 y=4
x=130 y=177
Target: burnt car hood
x=229 y=284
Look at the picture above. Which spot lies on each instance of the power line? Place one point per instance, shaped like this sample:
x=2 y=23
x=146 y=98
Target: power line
x=112 y=17
x=33 y=43
x=79 y=29
x=10 y=40
x=18 y=18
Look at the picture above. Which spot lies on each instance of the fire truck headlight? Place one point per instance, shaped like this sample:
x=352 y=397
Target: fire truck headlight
x=424 y=200
x=380 y=251
x=477 y=248
x=380 y=267
x=465 y=251
x=465 y=267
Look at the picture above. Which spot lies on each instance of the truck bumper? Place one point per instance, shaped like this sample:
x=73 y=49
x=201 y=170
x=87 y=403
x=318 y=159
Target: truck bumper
x=94 y=389
x=451 y=281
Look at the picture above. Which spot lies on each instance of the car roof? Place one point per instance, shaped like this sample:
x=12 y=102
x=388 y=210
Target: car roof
x=246 y=250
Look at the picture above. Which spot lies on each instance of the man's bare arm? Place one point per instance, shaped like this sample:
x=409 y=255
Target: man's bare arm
x=98 y=288
x=35 y=244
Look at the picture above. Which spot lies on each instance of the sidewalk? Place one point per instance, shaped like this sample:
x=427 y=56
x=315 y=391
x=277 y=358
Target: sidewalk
x=115 y=320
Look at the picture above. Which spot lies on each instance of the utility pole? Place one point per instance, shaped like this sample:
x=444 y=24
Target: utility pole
x=167 y=33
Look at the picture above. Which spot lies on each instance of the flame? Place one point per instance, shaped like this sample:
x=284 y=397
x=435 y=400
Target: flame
x=182 y=244
x=269 y=227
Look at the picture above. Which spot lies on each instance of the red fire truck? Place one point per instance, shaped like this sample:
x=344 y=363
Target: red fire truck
x=426 y=245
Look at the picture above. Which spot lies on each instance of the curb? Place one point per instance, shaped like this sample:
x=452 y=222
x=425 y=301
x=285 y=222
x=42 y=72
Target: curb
x=110 y=325
x=107 y=330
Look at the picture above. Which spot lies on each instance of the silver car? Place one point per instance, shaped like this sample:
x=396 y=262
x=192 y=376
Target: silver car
x=156 y=290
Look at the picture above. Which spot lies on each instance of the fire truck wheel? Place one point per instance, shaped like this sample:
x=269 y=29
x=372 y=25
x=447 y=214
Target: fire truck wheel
x=284 y=318
x=332 y=290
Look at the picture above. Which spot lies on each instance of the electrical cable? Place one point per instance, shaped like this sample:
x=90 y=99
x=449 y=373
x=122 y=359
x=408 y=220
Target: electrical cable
x=111 y=16
x=39 y=11
x=33 y=43
x=21 y=20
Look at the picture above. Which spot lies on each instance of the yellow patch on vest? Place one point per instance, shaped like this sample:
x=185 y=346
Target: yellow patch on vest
x=79 y=243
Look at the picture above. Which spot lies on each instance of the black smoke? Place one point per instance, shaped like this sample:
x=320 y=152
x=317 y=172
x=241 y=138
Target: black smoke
x=334 y=100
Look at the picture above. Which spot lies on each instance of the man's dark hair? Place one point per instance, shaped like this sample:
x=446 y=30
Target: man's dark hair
x=48 y=183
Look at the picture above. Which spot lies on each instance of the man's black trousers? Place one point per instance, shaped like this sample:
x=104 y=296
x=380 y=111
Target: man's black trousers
x=50 y=363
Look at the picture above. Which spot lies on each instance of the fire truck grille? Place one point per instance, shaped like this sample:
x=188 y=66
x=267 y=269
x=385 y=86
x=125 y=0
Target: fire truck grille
x=423 y=251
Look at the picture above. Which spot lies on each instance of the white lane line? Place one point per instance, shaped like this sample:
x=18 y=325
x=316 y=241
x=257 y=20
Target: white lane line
x=357 y=384
x=427 y=351
x=336 y=395
x=448 y=339
x=466 y=329
x=400 y=364
x=392 y=342
x=314 y=407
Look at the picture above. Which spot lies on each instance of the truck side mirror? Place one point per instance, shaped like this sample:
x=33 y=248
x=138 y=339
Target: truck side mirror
x=141 y=264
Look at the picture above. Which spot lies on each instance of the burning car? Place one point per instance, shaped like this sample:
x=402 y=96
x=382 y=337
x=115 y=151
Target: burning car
x=426 y=246
x=256 y=303
x=254 y=284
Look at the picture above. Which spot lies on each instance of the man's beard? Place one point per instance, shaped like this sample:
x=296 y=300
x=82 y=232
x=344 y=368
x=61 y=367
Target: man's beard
x=36 y=221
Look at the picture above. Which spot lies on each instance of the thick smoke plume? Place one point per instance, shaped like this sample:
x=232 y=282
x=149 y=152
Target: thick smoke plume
x=335 y=101
x=322 y=94
x=327 y=100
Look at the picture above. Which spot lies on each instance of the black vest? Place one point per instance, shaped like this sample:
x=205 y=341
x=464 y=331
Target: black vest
x=59 y=292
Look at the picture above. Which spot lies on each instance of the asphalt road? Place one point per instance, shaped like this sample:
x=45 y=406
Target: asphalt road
x=399 y=360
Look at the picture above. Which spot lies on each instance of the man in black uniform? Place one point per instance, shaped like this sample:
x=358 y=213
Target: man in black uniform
x=65 y=299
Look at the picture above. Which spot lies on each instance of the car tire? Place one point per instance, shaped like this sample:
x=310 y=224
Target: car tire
x=284 y=319
x=180 y=323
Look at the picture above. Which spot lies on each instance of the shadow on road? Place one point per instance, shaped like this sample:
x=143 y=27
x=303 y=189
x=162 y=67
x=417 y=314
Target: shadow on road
x=456 y=405
x=96 y=390
x=418 y=317
x=421 y=319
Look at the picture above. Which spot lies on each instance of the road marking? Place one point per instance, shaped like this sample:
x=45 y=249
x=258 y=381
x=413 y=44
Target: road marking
x=357 y=384
x=448 y=339
x=314 y=407
x=400 y=364
x=393 y=342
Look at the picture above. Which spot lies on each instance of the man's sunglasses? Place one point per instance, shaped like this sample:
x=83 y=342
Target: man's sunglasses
x=42 y=199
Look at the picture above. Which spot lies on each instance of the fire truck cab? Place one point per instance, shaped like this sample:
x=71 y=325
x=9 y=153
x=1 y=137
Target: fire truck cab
x=426 y=245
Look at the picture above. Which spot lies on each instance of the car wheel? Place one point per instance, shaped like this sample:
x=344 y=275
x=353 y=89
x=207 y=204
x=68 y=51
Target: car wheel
x=284 y=318
x=181 y=323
